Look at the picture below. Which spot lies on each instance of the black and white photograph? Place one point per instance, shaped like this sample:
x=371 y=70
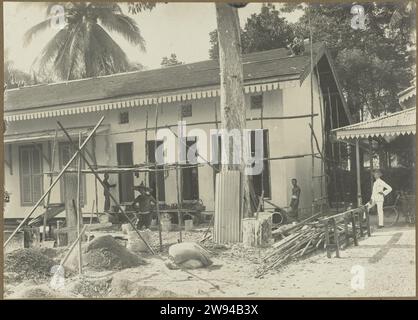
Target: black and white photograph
x=178 y=150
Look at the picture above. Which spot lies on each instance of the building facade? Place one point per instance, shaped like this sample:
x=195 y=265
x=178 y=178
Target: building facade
x=282 y=96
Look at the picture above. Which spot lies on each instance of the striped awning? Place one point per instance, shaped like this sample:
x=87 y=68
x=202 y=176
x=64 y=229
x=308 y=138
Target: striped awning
x=394 y=124
x=142 y=101
x=45 y=135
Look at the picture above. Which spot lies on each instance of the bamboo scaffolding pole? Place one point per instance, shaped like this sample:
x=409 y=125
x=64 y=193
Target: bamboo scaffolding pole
x=333 y=164
x=208 y=123
x=178 y=183
x=321 y=112
x=103 y=185
x=96 y=191
x=312 y=112
x=52 y=168
x=64 y=260
x=157 y=191
x=79 y=213
x=146 y=146
x=261 y=200
x=54 y=182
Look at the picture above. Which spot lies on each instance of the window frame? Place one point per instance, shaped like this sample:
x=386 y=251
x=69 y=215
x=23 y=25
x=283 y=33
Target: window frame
x=121 y=114
x=183 y=111
x=252 y=104
x=37 y=147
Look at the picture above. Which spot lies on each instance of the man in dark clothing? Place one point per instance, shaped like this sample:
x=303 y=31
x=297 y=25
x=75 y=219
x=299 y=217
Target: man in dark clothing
x=294 y=201
x=144 y=206
x=106 y=192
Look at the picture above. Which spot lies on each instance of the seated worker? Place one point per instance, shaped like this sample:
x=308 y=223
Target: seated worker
x=294 y=201
x=143 y=205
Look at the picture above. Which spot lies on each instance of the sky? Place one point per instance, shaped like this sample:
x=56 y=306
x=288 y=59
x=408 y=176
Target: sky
x=180 y=28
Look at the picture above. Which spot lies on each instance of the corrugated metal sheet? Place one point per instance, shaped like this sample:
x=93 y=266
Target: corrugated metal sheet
x=398 y=123
x=227 y=226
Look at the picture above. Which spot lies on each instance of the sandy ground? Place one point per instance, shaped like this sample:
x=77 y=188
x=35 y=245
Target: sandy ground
x=383 y=265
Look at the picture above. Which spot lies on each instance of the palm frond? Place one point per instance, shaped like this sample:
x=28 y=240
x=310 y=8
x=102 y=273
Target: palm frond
x=107 y=56
x=122 y=24
x=50 y=51
x=33 y=31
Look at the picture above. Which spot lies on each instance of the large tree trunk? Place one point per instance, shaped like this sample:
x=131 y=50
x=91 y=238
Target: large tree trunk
x=233 y=112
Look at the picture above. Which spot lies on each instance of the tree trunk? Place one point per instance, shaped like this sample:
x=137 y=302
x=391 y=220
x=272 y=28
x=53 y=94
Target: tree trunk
x=233 y=112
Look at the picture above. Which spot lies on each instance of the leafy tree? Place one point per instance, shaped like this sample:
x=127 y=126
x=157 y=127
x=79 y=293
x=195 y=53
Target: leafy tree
x=169 y=62
x=83 y=47
x=373 y=64
x=262 y=31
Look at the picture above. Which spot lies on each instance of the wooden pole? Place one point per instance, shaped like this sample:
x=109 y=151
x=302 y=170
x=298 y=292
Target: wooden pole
x=73 y=246
x=371 y=163
x=358 y=168
x=321 y=112
x=157 y=205
x=54 y=182
x=261 y=199
x=93 y=170
x=233 y=109
x=312 y=118
x=146 y=146
x=80 y=214
x=51 y=168
x=333 y=165
x=178 y=184
x=96 y=191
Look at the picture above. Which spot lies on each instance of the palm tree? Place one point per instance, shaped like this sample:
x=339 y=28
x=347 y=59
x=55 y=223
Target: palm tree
x=83 y=47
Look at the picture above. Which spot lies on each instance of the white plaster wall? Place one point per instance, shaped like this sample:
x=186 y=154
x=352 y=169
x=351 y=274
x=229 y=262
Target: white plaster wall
x=286 y=137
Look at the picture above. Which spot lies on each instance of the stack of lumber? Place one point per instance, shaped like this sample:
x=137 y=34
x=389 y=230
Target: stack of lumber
x=298 y=241
x=302 y=241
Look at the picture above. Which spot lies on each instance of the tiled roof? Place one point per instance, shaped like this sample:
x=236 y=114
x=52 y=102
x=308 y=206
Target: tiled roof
x=398 y=123
x=275 y=63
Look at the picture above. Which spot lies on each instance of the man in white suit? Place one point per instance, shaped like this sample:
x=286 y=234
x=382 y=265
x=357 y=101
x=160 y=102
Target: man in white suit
x=380 y=190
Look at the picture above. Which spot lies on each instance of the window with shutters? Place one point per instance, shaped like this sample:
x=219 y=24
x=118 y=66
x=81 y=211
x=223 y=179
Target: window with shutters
x=31 y=174
x=66 y=151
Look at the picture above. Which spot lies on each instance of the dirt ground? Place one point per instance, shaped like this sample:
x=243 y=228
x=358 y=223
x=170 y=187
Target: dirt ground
x=384 y=264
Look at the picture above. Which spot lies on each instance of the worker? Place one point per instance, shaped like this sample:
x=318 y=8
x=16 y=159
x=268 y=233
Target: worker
x=106 y=191
x=294 y=201
x=380 y=190
x=143 y=204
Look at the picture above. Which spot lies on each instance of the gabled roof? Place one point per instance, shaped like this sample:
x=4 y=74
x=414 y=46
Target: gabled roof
x=394 y=124
x=275 y=63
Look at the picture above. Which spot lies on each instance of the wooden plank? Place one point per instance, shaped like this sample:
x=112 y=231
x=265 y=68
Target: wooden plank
x=89 y=227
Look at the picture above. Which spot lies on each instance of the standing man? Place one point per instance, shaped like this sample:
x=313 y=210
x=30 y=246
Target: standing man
x=143 y=204
x=294 y=201
x=106 y=191
x=380 y=190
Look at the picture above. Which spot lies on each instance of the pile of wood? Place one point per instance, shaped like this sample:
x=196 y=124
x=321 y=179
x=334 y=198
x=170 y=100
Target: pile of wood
x=298 y=241
x=301 y=241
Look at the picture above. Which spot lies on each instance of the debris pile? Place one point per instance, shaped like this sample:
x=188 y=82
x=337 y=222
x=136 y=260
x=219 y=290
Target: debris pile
x=105 y=253
x=28 y=263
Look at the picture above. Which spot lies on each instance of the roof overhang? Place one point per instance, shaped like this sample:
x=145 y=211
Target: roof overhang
x=391 y=125
x=261 y=85
x=47 y=135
